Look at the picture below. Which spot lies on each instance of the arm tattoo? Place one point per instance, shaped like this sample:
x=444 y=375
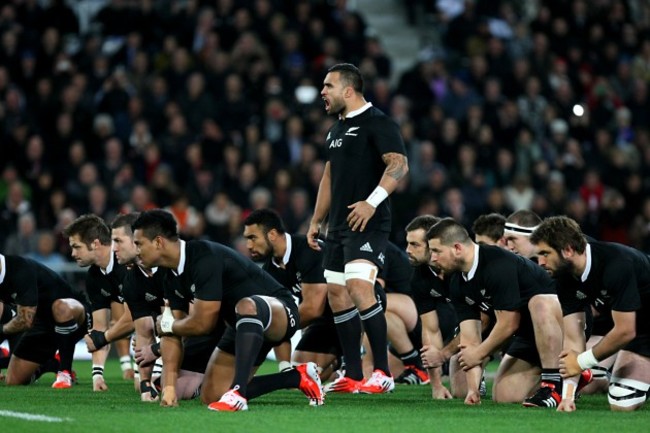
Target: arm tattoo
x=396 y=165
x=23 y=321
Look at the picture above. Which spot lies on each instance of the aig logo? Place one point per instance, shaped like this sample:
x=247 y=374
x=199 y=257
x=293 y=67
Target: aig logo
x=336 y=143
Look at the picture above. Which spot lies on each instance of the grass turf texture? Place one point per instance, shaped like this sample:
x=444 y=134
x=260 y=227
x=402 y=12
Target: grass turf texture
x=408 y=409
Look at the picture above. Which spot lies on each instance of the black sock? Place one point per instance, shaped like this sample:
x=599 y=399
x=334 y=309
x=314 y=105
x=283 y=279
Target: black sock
x=416 y=335
x=248 y=342
x=348 y=328
x=67 y=337
x=552 y=375
x=412 y=359
x=374 y=323
x=261 y=385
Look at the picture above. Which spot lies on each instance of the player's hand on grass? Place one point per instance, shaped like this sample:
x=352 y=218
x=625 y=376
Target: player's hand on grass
x=168 y=398
x=359 y=215
x=567 y=405
x=441 y=393
x=569 y=364
x=473 y=398
x=99 y=384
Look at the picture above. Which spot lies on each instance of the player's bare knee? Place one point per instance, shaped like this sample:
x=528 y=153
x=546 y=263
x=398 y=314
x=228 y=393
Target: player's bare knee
x=626 y=395
x=61 y=311
x=246 y=307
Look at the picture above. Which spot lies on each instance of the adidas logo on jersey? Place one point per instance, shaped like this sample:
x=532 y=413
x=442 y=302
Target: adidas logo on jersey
x=105 y=293
x=580 y=295
x=179 y=294
x=469 y=301
x=366 y=248
x=149 y=297
x=434 y=294
x=351 y=130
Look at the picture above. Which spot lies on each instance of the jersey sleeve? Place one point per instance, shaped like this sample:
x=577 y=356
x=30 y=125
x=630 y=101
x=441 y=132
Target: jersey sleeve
x=207 y=276
x=171 y=288
x=93 y=288
x=387 y=137
x=25 y=281
x=134 y=296
x=312 y=267
x=620 y=282
x=502 y=283
x=464 y=311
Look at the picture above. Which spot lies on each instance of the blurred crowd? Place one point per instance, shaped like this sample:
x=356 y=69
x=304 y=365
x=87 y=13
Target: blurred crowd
x=211 y=109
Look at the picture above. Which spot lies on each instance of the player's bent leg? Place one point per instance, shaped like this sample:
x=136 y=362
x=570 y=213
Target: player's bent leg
x=69 y=317
x=601 y=373
x=514 y=381
x=189 y=384
x=20 y=371
x=630 y=382
x=218 y=376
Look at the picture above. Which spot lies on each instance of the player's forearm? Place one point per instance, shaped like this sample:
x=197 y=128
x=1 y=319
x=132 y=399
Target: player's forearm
x=501 y=332
x=121 y=328
x=396 y=169
x=23 y=321
x=451 y=348
x=171 y=349
x=473 y=378
x=191 y=326
x=435 y=377
x=611 y=343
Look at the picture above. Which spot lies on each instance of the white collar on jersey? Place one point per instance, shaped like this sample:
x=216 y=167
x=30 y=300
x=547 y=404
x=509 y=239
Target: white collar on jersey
x=3 y=271
x=357 y=111
x=181 y=261
x=287 y=253
x=153 y=271
x=585 y=274
x=468 y=276
x=111 y=263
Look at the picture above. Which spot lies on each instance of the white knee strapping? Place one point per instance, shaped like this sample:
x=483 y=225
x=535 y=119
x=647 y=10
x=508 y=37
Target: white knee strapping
x=334 y=277
x=627 y=392
x=362 y=271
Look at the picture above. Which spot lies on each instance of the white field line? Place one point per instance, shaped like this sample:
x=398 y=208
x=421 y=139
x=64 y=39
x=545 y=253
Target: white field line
x=32 y=416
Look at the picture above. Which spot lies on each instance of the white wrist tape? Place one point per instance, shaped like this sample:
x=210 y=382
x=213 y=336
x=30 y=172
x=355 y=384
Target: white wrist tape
x=167 y=321
x=569 y=387
x=377 y=196
x=587 y=359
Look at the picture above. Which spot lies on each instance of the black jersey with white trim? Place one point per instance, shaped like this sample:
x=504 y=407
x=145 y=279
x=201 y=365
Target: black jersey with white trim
x=104 y=287
x=143 y=293
x=502 y=281
x=305 y=265
x=397 y=271
x=429 y=291
x=618 y=279
x=215 y=272
x=28 y=283
x=355 y=147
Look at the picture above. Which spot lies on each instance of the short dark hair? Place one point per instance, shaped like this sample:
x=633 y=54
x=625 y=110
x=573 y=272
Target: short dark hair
x=126 y=221
x=560 y=232
x=267 y=219
x=424 y=222
x=157 y=222
x=449 y=232
x=89 y=227
x=524 y=218
x=490 y=225
x=350 y=75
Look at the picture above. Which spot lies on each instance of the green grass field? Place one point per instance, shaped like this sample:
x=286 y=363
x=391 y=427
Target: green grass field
x=409 y=409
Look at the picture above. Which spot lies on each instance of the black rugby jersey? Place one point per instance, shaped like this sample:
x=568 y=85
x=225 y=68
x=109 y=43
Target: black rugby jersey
x=303 y=265
x=210 y=271
x=28 y=283
x=502 y=280
x=143 y=293
x=397 y=271
x=617 y=278
x=429 y=291
x=354 y=149
x=105 y=287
